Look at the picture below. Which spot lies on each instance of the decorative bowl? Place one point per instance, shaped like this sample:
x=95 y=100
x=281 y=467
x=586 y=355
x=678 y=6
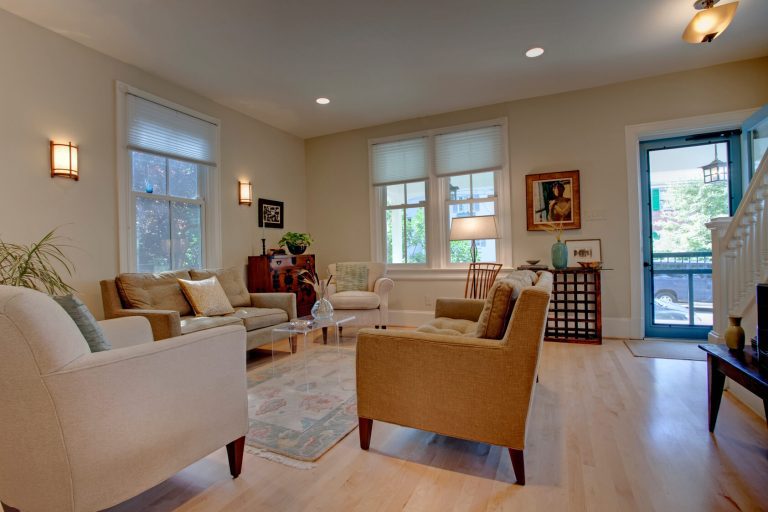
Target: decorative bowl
x=532 y=262
x=591 y=264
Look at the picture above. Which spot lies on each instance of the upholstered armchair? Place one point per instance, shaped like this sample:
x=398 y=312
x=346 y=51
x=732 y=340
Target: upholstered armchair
x=369 y=306
x=444 y=379
x=84 y=431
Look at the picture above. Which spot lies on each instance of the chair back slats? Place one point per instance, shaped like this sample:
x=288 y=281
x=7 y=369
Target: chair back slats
x=480 y=278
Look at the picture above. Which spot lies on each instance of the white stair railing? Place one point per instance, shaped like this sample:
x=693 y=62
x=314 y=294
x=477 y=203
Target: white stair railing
x=740 y=253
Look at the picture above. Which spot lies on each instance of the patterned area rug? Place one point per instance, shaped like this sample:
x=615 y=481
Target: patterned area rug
x=303 y=405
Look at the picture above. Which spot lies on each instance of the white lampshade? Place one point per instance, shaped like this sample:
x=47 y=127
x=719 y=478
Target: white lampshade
x=64 y=160
x=709 y=22
x=245 y=192
x=481 y=227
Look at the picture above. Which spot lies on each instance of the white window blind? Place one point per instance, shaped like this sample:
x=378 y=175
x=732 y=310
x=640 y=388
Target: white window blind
x=167 y=132
x=469 y=151
x=400 y=161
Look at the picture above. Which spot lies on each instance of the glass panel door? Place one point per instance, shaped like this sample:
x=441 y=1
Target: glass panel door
x=686 y=182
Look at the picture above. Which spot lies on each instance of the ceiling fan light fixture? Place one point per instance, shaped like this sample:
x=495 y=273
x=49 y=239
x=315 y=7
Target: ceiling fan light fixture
x=532 y=53
x=709 y=22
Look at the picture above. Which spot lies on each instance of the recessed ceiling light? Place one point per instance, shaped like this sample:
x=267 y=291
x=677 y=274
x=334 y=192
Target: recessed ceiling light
x=323 y=101
x=532 y=53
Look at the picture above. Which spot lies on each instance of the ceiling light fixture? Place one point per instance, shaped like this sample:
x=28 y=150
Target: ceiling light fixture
x=709 y=22
x=323 y=101
x=532 y=53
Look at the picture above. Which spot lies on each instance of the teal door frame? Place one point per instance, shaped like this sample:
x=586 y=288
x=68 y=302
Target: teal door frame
x=731 y=137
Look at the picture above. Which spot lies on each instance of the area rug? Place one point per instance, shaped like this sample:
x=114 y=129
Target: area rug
x=666 y=349
x=301 y=406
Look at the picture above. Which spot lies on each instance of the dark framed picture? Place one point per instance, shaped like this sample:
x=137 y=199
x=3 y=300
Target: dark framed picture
x=271 y=214
x=584 y=250
x=553 y=197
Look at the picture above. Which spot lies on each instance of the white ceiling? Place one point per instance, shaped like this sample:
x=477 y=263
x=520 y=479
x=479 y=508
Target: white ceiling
x=392 y=59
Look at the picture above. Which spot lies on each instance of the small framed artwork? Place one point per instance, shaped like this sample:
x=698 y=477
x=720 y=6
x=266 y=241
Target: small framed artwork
x=271 y=213
x=553 y=197
x=583 y=251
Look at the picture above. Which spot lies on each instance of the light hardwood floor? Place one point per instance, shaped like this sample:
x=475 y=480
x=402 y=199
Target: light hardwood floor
x=608 y=431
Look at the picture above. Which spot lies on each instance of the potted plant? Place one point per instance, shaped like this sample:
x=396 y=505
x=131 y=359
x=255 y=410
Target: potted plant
x=297 y=243
x=35 y=265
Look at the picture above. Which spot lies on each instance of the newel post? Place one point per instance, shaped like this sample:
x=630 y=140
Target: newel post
x=718 y=227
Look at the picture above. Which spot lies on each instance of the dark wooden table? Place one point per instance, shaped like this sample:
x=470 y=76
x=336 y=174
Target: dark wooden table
x=741 y=367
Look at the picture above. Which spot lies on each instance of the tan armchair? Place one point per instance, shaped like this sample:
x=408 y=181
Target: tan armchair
x=456 y=385
x=371 y=306
x=86 y=431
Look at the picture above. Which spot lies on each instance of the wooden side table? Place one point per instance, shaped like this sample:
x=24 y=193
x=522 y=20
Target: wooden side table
x=280 y=273
x=741 y=367
x=575 y=310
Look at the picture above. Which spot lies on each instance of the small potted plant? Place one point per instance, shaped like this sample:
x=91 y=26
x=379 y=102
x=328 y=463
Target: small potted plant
x=296 y=243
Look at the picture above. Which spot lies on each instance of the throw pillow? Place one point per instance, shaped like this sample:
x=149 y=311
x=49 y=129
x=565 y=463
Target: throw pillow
x=231 y=279
x=206 y=296
x=497 y=310
x=351 y=277
x=89 y=327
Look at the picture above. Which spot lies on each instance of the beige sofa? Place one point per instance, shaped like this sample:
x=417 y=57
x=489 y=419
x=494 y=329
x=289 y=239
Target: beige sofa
x=443 y=379
x=158 y=298
x=84 y=431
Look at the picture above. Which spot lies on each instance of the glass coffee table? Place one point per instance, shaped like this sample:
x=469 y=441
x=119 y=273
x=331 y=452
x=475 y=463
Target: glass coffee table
x=306 y=325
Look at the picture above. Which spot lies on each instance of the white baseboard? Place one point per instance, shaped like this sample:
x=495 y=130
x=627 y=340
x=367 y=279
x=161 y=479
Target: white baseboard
x=616 y=327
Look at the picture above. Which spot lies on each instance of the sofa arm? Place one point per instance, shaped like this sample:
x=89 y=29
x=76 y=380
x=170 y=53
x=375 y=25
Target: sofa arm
x=170 y=404
x=165 y=323
x=460 y=309
x=127 y=331
x=458 y=386
x=382 y=287
x=284 y=301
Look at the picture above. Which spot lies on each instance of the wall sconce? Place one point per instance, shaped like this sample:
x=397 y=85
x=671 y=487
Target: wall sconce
x=64 y=160
x=246 y=192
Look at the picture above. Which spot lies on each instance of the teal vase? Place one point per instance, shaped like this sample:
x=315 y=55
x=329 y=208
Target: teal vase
x=559 y=255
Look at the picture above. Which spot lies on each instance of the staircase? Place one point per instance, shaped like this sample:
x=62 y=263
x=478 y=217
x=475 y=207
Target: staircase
x=740 y=254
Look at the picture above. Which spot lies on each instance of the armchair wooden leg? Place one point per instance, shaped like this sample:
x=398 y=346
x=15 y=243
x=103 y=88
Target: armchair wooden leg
x=8 y=508
x=340 y=328
x=293 y=342
x=518 y=464
x=383 y=326
x=235 y=455
x=325 y=335
x=365 y=426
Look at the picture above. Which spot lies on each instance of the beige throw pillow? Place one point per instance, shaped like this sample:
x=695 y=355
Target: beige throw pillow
x=231 y=279
x=351 y=277
x=206 y=296
x=497 y=310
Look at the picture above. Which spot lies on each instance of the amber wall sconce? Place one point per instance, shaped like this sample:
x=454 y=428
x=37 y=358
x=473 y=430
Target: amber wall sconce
x=64 y=160
x=245 y=192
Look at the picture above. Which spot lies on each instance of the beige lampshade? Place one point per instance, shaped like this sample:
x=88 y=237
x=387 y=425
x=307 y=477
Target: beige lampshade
x=709 y=23
x=64 y=160
x=245 y=192
x=481 y=227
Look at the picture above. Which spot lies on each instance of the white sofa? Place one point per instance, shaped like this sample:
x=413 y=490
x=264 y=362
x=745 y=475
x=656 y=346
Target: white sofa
x=86 y=431
x=371 y=306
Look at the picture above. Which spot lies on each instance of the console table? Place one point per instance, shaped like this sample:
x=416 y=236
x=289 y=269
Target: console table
x=742 y=367
x=280 y=273
x=575 y=311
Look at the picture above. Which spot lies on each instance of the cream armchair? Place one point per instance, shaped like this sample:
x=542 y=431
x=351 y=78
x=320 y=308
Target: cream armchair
x=371 y=306
x=457 y=385
x=85 y=431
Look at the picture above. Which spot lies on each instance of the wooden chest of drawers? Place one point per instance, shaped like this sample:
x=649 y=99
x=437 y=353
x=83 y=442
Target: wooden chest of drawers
x=280 y=273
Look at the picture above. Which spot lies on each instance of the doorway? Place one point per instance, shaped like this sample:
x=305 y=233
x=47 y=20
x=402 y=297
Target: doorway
x=685 y=181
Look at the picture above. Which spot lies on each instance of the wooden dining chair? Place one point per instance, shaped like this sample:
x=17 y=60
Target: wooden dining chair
x=480 y=278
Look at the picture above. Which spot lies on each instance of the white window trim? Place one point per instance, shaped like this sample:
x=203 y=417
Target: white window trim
x=126 y=215
x=437 y=265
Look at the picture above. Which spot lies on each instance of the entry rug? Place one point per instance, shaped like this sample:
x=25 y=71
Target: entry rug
x=301 y=406
x=666 y=349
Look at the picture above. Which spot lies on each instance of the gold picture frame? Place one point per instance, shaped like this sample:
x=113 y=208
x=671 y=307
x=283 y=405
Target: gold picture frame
x=553 y=197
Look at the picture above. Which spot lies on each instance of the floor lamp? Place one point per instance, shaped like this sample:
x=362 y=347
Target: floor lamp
x=480 y=276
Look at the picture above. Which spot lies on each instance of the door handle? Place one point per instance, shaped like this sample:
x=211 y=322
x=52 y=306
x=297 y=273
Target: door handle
x=646 y=264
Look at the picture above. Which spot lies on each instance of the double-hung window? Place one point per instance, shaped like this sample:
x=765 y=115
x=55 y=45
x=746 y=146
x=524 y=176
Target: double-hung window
x=167 y=183
x=421 y=182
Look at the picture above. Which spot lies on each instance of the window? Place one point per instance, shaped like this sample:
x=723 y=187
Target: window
x=168 y=214
x=422 y=182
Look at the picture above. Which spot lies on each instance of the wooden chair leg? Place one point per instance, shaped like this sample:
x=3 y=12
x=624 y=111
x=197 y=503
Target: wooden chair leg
x=235 y=451
x=293 y=340
x=8 y=508
x=365 y=427
x=518 y=464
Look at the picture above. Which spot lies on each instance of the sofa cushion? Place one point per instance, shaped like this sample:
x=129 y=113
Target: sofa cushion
x=207 y=297
x=258 y=318
x=231 y=279
x=154 y=291
x=355 y=300
x=351 y=277
x=89 y=327
x=200 y=323
x=498 y=307
x=449 y=326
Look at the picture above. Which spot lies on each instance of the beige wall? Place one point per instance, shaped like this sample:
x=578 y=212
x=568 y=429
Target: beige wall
x=54 y=88
x=577 y=130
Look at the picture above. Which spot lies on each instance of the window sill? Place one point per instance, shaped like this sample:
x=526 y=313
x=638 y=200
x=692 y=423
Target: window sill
x=432 y=274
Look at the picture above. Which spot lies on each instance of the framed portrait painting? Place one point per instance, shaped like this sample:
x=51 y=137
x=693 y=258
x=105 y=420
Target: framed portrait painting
x=271 y=214
x=553 y=197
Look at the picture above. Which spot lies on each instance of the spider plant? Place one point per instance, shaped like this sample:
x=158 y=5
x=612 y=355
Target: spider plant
x=37 y=265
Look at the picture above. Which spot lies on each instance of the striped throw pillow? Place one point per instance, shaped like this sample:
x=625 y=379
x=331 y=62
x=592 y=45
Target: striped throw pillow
x=351 y=277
